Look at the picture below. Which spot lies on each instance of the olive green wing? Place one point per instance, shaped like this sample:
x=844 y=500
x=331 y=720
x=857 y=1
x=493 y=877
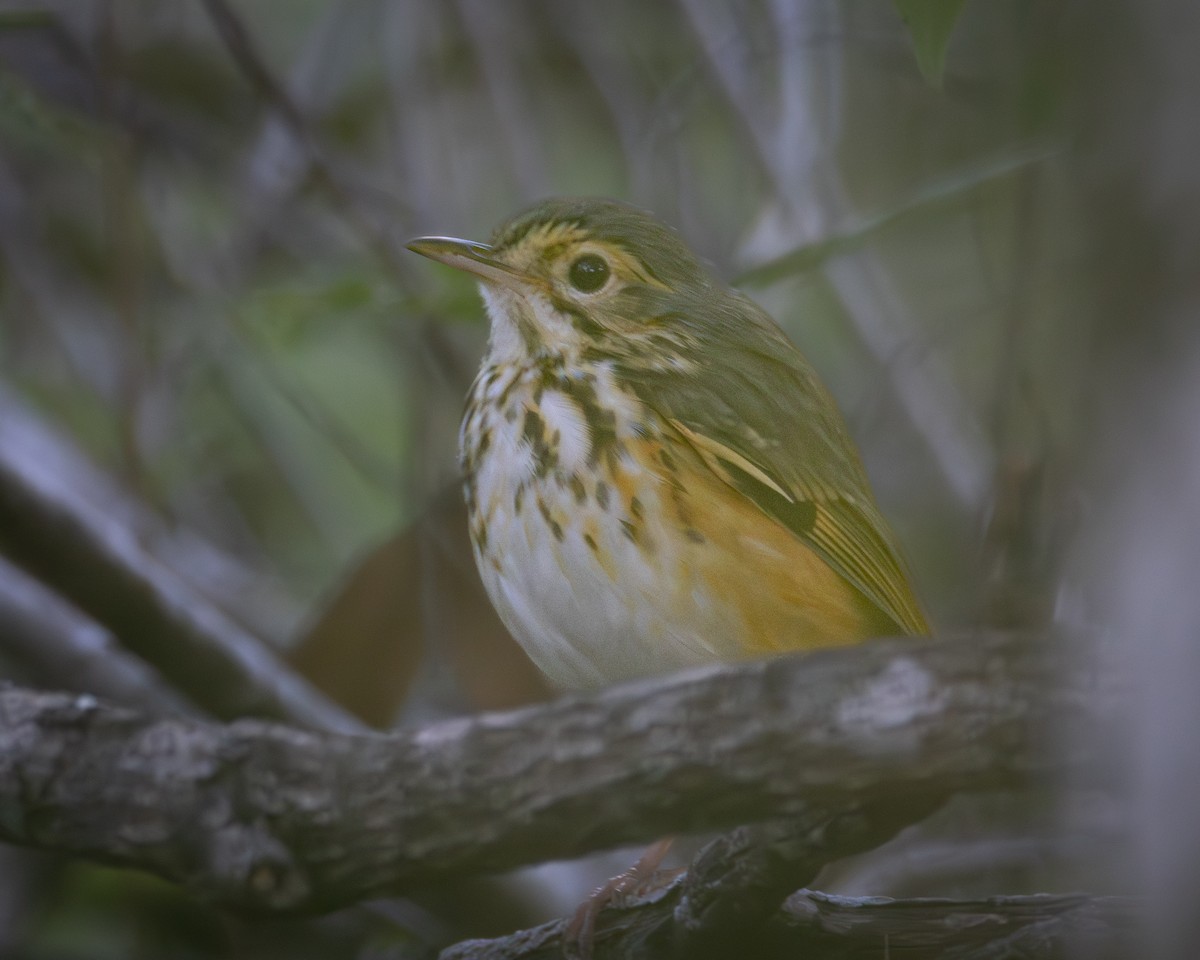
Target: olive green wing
x=763 y=422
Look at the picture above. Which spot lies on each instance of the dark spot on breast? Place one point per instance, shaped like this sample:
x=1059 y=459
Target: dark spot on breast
x=601 y=421
x=668 y=461
x=518 y=497
x=602 y=494
x=630 y=530
x=578 y=488
x=555 y=527
x=533 y=431
x=603 y=428
x=635 y=507
x=508 y=388
x=694 y=535
x=590 y=541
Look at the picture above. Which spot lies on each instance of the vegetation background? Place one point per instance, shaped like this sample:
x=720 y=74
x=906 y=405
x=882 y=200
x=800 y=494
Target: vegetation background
x=212 y=336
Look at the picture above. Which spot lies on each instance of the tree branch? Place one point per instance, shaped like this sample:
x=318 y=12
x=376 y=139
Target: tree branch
x=738 y=881
x=99 y=567
x=812 y=924
x=268 y=817
x=60 y=647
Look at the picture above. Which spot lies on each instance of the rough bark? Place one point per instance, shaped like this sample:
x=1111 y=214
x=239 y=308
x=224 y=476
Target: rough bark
x=271 y=817
x=811 y=924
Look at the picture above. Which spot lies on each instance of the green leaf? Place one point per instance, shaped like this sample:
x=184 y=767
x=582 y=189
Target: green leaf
x=930 y=23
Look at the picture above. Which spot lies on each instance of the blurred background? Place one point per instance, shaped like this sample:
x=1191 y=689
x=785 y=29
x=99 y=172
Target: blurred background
x=222 y=375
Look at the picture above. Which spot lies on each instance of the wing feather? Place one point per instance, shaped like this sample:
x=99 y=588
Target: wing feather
x=763 y=422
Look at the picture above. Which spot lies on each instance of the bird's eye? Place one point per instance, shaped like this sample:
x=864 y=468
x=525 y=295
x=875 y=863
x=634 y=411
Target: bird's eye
x=588 y=273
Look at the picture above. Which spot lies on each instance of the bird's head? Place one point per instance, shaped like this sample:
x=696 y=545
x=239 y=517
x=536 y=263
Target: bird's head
x=576 y=276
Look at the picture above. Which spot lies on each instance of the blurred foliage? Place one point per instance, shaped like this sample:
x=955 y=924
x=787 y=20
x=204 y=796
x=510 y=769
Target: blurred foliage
x=217 y=301
x=203 y=282
x=930 y=23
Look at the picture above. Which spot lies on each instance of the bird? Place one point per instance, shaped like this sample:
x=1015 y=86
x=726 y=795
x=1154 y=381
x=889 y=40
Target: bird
x=655 y=476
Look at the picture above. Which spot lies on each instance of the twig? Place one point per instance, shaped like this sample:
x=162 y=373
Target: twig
x=64 y=650
x=1043 y=925
x=96 y=564
x=921 y=384
x=343 y=192
x=812 y=924
x=87 y=330
x=738 y=881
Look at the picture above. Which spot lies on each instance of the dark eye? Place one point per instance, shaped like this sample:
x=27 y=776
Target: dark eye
x=589 y=273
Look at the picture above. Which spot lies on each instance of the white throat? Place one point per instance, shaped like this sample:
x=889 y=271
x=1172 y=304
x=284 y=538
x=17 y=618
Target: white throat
x=518 y=318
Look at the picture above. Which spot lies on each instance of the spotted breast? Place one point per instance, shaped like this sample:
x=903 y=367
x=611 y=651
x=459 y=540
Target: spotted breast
x=610 y=550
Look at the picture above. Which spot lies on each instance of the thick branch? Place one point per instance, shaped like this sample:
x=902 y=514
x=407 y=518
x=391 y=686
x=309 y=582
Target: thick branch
x=277 y=818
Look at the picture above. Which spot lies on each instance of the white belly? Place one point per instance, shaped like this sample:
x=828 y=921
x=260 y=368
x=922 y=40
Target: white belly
x=583 y=577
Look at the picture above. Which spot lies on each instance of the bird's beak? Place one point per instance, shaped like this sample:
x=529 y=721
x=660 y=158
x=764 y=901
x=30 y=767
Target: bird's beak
x=467 y=255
